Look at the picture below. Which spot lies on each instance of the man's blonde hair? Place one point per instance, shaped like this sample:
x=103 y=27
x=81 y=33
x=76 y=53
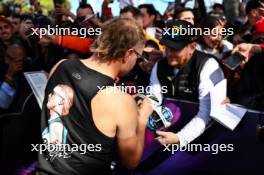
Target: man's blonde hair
x=118 y=35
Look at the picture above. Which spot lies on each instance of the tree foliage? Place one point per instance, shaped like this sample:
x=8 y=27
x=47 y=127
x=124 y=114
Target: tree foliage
x=46 y=5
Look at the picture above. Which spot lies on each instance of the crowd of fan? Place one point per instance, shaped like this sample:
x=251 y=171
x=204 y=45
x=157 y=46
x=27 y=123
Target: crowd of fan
x=21 y=52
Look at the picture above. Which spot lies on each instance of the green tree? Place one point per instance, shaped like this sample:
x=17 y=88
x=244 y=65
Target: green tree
x=46 y=5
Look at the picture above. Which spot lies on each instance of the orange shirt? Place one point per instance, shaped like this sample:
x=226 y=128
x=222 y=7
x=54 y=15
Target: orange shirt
x=83 y=44
x=74 y=42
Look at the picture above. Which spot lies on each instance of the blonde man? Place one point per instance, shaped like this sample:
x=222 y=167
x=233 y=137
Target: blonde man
x=100 y=114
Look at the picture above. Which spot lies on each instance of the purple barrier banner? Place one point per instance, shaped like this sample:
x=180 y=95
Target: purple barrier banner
x=217 y=151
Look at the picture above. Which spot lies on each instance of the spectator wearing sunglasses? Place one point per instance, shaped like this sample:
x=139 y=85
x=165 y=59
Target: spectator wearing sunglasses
x=83 y=11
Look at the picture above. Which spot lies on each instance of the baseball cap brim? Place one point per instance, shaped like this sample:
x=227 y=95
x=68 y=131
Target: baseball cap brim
x=4 y=20
x=172 y=44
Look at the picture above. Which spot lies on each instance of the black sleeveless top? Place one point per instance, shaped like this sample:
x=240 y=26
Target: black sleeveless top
x=73 y=143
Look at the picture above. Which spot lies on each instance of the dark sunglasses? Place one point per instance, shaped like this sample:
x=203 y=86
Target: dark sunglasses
x=141 y=57
x=81 y=19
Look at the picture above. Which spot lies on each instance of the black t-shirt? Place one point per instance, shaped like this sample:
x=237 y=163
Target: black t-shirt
x=72 y=143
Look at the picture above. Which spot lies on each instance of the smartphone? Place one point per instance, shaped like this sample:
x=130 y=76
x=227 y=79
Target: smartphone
x=233 y=61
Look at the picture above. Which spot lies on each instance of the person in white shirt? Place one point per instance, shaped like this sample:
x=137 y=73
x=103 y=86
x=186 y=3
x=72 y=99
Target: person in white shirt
x=189 y=75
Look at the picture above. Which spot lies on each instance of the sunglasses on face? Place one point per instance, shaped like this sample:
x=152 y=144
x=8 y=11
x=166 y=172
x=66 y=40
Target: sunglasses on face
x=141 y=57
x=85 y=18
x=81 y=19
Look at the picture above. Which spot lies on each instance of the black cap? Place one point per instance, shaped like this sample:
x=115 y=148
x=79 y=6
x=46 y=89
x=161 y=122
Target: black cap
x=178 y=34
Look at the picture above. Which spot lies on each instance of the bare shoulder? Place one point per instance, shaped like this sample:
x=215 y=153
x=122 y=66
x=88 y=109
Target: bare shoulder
x=114 y=97
x=119 y=107
x=55 y=67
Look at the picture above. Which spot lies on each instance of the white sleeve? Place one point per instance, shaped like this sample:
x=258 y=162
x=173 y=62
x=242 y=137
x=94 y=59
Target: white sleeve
x=210 y=73
x=154 y=84
x=227 y=46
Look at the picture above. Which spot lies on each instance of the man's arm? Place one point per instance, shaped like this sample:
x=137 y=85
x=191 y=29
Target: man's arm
x=7 y=88
x=6 y=95
x=130 y=121
x=80 y=44
x=131 y=133
x=210 y=75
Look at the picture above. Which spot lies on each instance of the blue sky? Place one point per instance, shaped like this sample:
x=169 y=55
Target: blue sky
x=160 y=5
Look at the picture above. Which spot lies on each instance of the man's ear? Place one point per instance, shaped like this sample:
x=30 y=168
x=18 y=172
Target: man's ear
x=127 y=56
x=192 y=48
x=193 y=45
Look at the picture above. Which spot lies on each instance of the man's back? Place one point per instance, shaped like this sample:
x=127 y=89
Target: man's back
x=67 y=121
x=80 y=108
